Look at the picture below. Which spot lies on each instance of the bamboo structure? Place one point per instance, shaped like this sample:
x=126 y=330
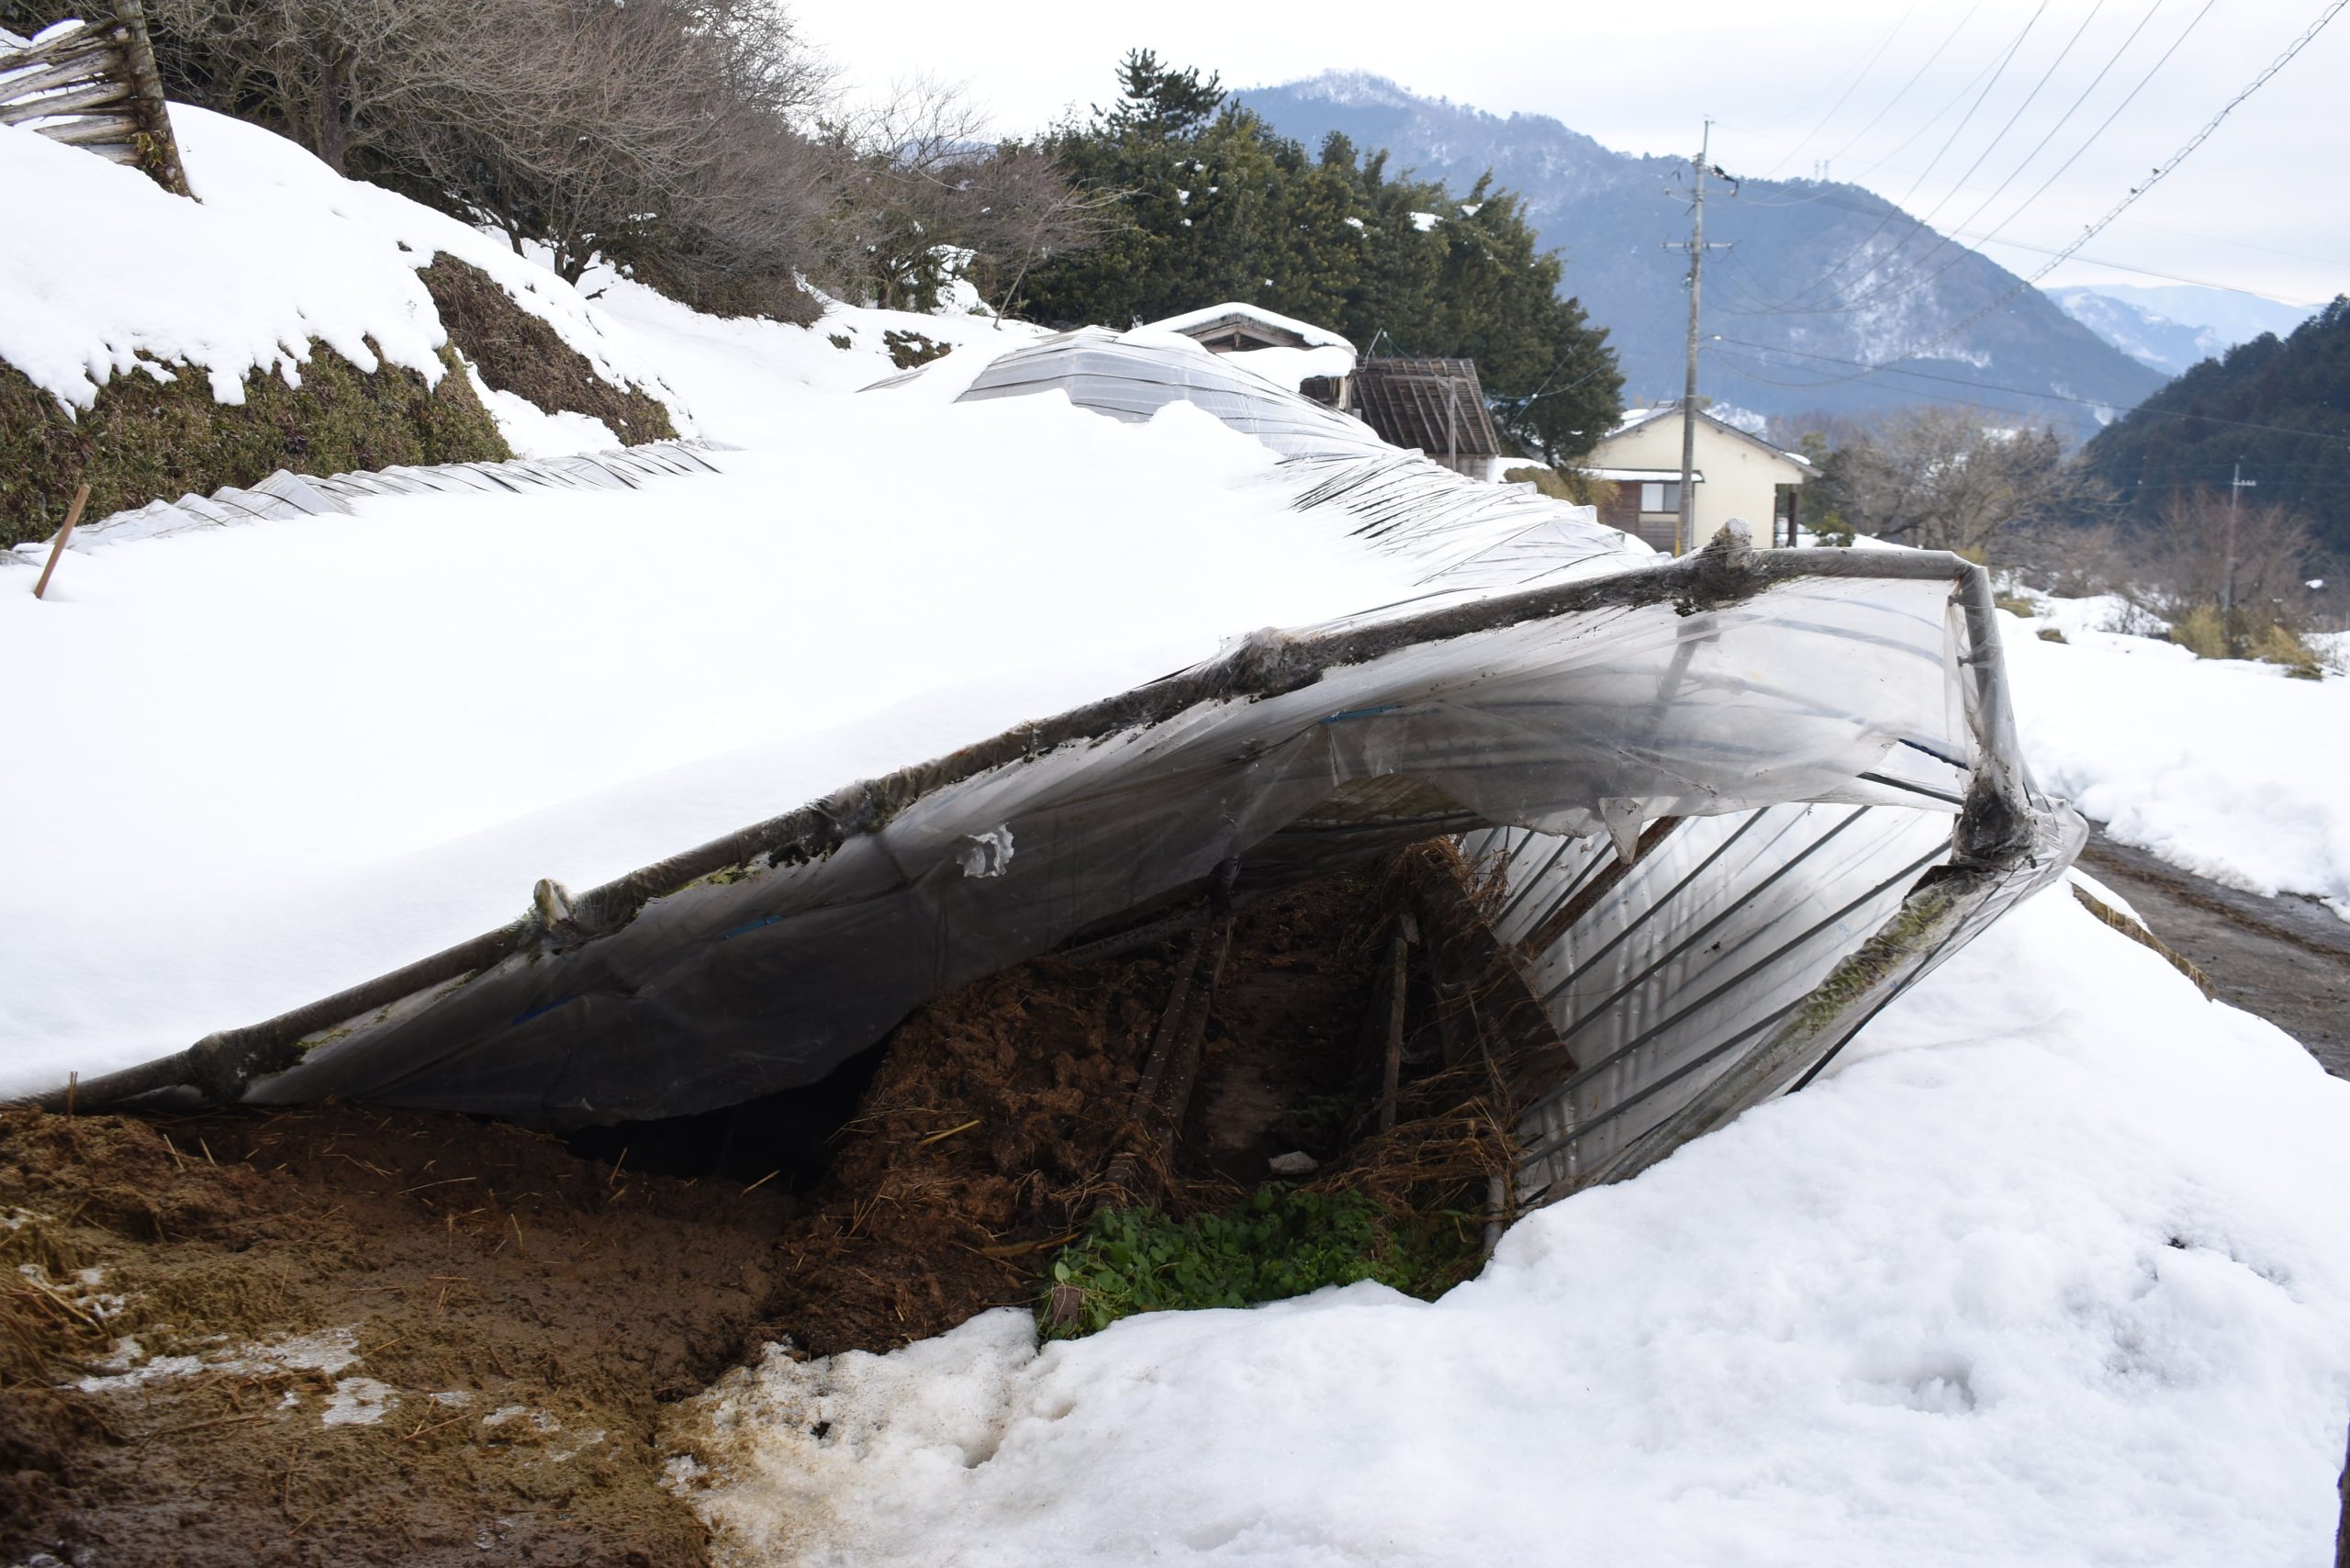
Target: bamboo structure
x=96 y=87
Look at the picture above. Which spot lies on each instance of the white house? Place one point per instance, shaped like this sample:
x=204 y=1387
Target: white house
x=1735 y=474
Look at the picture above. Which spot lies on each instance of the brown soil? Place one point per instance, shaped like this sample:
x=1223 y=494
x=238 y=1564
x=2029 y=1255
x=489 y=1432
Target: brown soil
x=522 y=1313
x=513 y=1317
x=982 y=1143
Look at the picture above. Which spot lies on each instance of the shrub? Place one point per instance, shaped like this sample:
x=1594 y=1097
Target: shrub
x=519 y=352
x=2282 y=645
x=145 y=439
x=1279 y=1244
x=1569 y=484
x=2202 y=632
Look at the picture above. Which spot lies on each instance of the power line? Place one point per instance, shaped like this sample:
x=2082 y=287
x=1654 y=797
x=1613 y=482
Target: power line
x=1995 y=387
x=2026 y=204
x=1918 y=263
x=2028 y=99
x=1827 y=279
x=1830 y=198
x=1858 y=77
x=2161 y=171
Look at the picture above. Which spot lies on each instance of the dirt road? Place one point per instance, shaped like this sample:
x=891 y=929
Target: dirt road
x=2285 y=959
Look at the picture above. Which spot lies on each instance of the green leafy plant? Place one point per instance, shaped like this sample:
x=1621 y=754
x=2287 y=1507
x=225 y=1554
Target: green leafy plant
x=1280 y=1243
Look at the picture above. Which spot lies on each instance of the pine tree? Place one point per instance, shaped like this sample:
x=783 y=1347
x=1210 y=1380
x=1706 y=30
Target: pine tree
x=1218 y=207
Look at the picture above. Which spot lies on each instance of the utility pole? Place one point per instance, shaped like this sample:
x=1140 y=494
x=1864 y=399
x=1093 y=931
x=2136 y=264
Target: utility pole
x=2228 y=554
x=1685 y=526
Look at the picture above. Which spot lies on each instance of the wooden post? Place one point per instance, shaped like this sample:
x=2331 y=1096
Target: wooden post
x=57 y=547
x=2342 y=1531
x=1391 y=1069
x=159 y=149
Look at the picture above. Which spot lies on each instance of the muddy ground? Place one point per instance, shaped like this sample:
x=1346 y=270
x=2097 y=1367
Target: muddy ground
x=2285 y=959
x=338 y=1334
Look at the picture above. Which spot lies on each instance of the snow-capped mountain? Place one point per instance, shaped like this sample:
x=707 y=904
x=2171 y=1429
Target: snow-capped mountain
x=1823 y=280
x=2175 y=328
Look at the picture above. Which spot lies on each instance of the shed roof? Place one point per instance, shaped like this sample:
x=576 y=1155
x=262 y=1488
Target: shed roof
x=1435 y=405
x=1203 y=322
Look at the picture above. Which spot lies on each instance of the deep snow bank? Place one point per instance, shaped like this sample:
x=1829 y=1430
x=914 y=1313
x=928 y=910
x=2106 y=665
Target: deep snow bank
x=301 y=753
x=2225 y=768
x=105 y=272
x=2052 y=1270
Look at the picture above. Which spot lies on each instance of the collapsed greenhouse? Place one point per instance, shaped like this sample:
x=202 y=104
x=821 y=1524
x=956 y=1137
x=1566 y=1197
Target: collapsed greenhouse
x=1710 y=814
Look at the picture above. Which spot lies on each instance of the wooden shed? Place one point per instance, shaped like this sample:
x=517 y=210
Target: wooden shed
x=1435 y=405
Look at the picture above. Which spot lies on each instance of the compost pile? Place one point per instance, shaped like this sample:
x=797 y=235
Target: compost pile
x=343 y=1334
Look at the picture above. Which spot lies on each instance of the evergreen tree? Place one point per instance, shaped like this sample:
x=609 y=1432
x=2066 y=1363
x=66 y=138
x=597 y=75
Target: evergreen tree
x=2281 y=408
x=1218 y=207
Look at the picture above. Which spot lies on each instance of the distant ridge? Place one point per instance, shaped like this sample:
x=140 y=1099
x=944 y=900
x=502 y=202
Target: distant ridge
x=1609 y=212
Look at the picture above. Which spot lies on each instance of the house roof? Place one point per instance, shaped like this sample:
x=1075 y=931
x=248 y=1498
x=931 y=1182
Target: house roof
x=1205 y=322
x=1635 y=417
x=1435 y=405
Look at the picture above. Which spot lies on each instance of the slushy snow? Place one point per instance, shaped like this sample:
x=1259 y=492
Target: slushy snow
x=2052 y=1270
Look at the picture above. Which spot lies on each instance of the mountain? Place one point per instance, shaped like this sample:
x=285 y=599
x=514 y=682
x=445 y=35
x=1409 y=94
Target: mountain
x=2281 y=408
x=2235 y=318
x=2175 y=328
x=1826 y=278
x=2152 y=340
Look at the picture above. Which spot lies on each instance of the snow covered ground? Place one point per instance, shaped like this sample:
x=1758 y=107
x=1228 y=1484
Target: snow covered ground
x=2052 y=1270
x=2225 y=768
x=302 y=752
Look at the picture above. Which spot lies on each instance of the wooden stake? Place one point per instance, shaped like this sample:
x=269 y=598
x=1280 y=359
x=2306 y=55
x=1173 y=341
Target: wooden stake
x=57 y=548
x=1391 y=1068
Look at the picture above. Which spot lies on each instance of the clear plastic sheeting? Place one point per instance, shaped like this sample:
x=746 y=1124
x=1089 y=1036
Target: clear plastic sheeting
x=284 y=495
x=1736 y=800
x=1653 y=972
x=1131 y=375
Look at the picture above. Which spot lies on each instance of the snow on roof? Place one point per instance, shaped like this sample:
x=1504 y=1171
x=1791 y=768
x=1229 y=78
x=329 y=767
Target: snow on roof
x=1637 y=475
x=1192 y=322
x=1635 y=417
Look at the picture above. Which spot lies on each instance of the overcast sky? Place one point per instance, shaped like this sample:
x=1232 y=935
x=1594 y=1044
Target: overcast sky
x=2260 y=206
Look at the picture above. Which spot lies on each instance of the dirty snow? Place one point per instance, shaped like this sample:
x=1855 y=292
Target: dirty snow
x=2052 y=1270
x=2225 y=768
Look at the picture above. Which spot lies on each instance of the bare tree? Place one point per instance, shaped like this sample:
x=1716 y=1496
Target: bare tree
x=1949 y=478
x=2247 y=568
x=337 y=76
x=683 y=139
x=927 y=199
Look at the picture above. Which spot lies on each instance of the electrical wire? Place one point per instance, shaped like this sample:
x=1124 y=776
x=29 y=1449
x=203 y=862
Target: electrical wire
x=1916 y=265
x=2161 y=171
x=1993 y=386
x=1827 y=279
x=1858 y=77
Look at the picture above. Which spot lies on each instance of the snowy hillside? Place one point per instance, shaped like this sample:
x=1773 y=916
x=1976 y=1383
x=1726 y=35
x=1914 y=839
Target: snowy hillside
x=277 y=253
x=2151 y=339
x=2172 y=329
